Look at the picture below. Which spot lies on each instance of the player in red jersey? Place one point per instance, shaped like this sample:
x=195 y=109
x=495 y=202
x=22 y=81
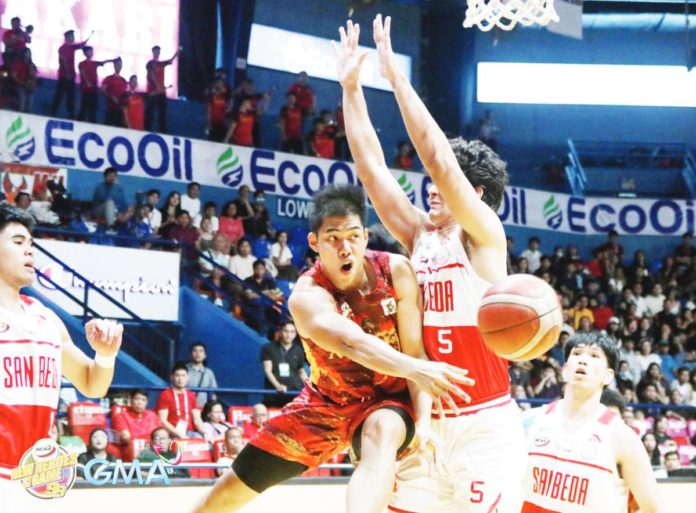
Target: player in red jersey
x=358 y=315
x=582 y=457
x=35 y=350
x=457 y=248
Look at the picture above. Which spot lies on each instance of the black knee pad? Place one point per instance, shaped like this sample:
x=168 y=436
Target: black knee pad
x=260 y=470
x=410 y=431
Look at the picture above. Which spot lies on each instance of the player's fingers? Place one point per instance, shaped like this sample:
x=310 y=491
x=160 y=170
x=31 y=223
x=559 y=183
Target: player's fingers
x=349 y=30
x=377 y=29
x=342 y=35
x=334 y=47
x=440 y=409
x=451 y=403
x=356 y=36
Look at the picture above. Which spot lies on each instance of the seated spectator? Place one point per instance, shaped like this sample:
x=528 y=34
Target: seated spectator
x=109 y=200
x=218 y=253
x=624 y=376
x=650 y=445
x=519 y=394
x=290 y=124
x=200 y=375
x=532 y=254
x=660 y=429
x=205 y=235
x=234 y=443
x=682 y=385
x=646 y=357
x=257 y=312
x=177 y=408
x=581 y=310
x=283 y=365
x=521 y=266
x=242 y=264
x=245 y=206
x=684 y=253
x=672 y=462
x=214 y=424
x=281 y=255
x=96 y=449
x=138 y=226
x=612 y=245
x=154 y=216
x=184 y=233
x=231 y=225
x=41 y=209
x=260 y=226
x=169 y=213
x=601 y=311
x=135 y=422
x=650 y=396
x=160 y=443
x=259 y=415
x=404 y=157
x=548 y=387
x=209 y=211
x=519 y=375
x=191 y=202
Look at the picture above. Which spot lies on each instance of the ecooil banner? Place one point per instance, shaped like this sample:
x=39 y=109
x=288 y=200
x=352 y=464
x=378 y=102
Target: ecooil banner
x=144 y=281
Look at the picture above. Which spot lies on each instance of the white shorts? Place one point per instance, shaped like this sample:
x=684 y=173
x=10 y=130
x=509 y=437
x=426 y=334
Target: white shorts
x=481 y=466
x=14 y=498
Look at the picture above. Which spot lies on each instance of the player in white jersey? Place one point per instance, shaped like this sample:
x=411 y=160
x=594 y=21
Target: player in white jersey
x=458 y=248
x=35 y=350
x=582 y=456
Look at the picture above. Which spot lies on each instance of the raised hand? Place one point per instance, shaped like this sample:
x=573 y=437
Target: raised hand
x=349 y=57
x=381 y=32
x=104 y=336
x=441 y=382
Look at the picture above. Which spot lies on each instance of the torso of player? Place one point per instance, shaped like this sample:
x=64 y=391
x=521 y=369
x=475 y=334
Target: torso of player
x=452 y=292
x=30 y=377
x=572 y=470
x=338 y=378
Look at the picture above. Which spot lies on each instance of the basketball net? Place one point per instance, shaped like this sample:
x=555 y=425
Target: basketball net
x=505 y=14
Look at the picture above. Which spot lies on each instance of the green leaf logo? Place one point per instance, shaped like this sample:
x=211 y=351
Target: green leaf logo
x=552 y=213
x=407 y=187
x=229 y=169
x=19 y=140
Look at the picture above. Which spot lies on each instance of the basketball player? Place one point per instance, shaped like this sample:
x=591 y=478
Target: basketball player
x=35 y=349
x=457 y=248
x=355 y=310
x=582 y=457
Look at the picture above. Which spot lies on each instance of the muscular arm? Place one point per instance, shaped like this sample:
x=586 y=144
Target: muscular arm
x=268 y=371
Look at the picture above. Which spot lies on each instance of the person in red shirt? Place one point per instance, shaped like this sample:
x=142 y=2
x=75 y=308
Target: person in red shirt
x=321 y=140
x=290 y=124
x=218 y=107
x=177 y=408
x=134 y=106
x=241 y=131
x=66 y=74
x=135 y=423
x=23 y=74
x=305 y=95
x=156 y=97
x=115 y=88
x=259 y=415
x=89 y=87
x=259 y=104
x=404 y=159
x=15 y=40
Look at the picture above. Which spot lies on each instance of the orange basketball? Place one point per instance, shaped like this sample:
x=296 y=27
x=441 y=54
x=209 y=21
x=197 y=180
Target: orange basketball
x=520 y=317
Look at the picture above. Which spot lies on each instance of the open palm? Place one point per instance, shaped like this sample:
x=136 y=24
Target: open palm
x=349 y=57
x=381 y=32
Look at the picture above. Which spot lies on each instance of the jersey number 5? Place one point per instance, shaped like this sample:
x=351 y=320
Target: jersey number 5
x=444 y=341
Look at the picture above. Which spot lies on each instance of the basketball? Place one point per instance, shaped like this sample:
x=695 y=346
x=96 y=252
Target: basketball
x=520 y=317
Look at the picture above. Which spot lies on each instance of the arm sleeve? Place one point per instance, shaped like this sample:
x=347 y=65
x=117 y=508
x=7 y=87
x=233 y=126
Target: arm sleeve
x=266 y=353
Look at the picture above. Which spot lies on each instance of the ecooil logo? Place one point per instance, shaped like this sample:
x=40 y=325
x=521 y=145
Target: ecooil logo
x=407 y=187
x=19 y=140
x=552 y=213
x=229 y=169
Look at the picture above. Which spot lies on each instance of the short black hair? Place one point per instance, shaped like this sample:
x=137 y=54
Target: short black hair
x=259 y=261
x=86 y=49
x=110 y=170
x=11 y=214
x=598 y=339
x=138 y=391
x=156 y=47
x=21 y=195
x=209 y=204
x=483 y=168
x=612 y=398
x=197 y=343
x=179 y=366
x=68 y=32
x=192 y=184
x=153 y=191
x=337 y=200
x=534 y=239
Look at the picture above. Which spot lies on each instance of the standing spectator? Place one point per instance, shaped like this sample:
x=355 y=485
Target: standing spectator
x=612 y=245
x=115 y=88
x=66 y=74
x=218 y=99
x=245 y=207
x=404 y=157
x=321 y=143
x=488 y=131
x=209 y=212
x=242 y=264
x=191 y=202
x=281 y=255
x=200 y=375
x=684 y=253
x=231 y=225
x=134 y=106
x=96 y=449
x=283 y=365
x=177 y=408
x=109 y=200
x=304 y=94
x=257 y=312
x=533 y=254
x=260 y=226
x=156 y=101
x=259 y=415
x=15 y=40
x=342 y=149
x=23 y=74
x=135 y=422
x=290 y=124
x=214 y=424
x=258 y=104
x=241 y=131
x=169 y=213
x=154 y=216
x=89 y=87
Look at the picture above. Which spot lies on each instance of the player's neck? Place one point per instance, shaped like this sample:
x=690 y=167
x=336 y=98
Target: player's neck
x=447 y=227
x=580 y=403
x=9 y=298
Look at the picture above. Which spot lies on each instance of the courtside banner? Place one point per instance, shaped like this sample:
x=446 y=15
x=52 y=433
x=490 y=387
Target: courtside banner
x=144 y=281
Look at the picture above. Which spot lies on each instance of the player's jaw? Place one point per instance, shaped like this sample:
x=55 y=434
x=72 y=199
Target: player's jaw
x=438 y=212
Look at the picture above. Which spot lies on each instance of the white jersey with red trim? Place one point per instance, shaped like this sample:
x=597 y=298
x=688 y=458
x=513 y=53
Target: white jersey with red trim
x=572 y=472
x=30 y=376
x=452 y=293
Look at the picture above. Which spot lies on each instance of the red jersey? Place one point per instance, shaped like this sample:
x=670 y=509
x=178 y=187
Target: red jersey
x=115 y=87
x=21 y=71
x=243 y=134
x=180 y=406
x=15 y=40
x=66 y=60
x=139 y=426
x=304 y=95
x=135 y=111
x=30 y=371
x=218 y=109
x=157 y=69
x=292 y=122
x=324 y=144
x=338 y=378
x=403 y=162
x=452 y=293
x=88 y=70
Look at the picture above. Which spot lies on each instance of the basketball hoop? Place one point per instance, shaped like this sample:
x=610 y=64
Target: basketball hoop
x=505 y=14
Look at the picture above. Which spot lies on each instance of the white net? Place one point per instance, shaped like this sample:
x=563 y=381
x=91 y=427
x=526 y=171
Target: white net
x=505 y=14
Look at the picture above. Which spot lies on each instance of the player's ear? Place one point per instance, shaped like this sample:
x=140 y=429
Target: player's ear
x=479 y=191
x=312 y=241
x=608 y=377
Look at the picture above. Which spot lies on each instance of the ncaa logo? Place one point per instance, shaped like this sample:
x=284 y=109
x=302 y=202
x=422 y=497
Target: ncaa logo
x=20 y=141
x=229 y=169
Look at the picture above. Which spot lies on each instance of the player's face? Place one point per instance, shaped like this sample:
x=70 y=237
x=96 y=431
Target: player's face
x=341 y=242
x=587 y=367
x=16 y=256
x=439 y=213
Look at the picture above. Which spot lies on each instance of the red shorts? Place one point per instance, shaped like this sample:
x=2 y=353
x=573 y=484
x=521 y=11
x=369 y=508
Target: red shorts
x=312 y=429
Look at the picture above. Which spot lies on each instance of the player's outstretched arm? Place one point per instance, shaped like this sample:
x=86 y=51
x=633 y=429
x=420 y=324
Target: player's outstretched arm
x=91 y=377
x=478 y=220
x=393 y=207
x=634 y=464
x=317 y=319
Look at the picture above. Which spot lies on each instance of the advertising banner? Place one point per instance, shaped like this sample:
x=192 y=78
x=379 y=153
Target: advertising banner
x=144 y=281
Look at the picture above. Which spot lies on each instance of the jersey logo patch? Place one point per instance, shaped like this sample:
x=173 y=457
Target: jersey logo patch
x=345 y=309
x=389 y=306
x=4 y=327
